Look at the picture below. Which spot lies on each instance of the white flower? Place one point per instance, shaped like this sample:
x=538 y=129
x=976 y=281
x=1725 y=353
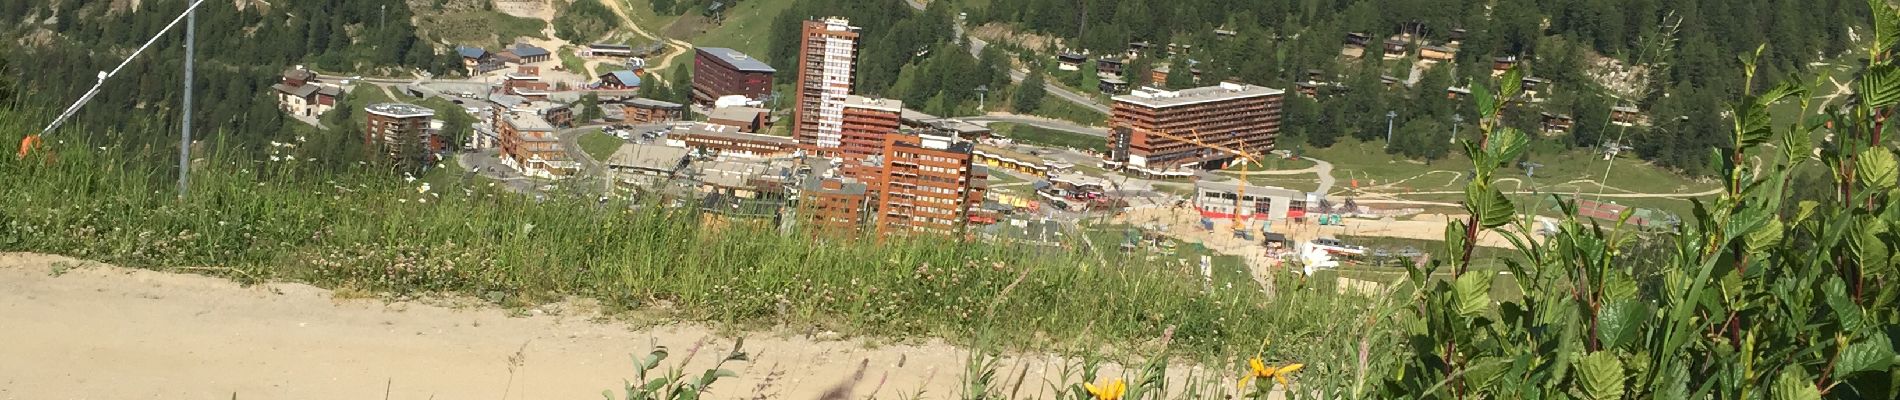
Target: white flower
x=422 y=200
x=423 y=189
x=311 y=159
x=299 y=138
x=408 y=179
x=404 y=201
x=274 y=158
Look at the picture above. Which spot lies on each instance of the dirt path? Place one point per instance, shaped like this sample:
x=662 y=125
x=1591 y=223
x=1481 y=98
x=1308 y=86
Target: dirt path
x=678 y=47
x=117 y=333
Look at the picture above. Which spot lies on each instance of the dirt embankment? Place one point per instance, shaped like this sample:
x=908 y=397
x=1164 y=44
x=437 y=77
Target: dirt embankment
x=72 y=329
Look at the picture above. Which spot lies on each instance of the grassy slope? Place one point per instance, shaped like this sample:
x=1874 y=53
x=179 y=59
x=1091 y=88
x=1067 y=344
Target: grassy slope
x=1368 y=163
x=1049 y=137
x=478 y=28
x=600 y=145
x=367 y=230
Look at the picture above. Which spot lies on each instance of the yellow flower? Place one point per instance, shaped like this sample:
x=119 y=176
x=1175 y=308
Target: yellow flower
x=1109 y=391
x=1262 y=371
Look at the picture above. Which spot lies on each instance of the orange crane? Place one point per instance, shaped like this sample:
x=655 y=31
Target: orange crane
x=1243 y=157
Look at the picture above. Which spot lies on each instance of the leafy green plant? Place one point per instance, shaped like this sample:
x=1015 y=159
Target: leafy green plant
x=1751 y=300
x=675 y=383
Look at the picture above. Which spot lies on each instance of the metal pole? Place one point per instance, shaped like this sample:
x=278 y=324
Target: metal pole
x=1388 y=127
x=184 y=140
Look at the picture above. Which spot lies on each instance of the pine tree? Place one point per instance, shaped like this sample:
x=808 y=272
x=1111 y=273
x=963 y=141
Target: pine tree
x=1029 y=94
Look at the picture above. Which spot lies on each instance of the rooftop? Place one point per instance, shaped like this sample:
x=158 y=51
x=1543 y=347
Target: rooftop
x=738 y=60
x=625 y=77
x=650 y=103
x=845 y=186
x=399 y=110
x=610 y=46
x=722 y=131
x=892 y=105
x=1231 y=186
x=648 y=157
x=529 y=122
x=525 y=50
x=471 y=52
x=736 y=113
x=1157 y=98
x=999 y=152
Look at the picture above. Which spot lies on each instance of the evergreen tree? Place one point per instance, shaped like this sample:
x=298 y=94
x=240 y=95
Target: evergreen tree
x=1029 y=94
x=590 y=107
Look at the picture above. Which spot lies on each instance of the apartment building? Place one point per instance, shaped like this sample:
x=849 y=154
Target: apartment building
x=730 y=141
x=528 y=145
x=928 y=183
x=719 y=72
x=402 y=131
x=837 y=204
x=1232 y=115
x=867 y=124
x=827 y=63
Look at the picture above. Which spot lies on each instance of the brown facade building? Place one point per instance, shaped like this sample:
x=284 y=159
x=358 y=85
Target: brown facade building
x=837 y=204
x=928 y=183
x=747 y=119
x=402 y=131
x=1235 y=116
x=729 y=141
x=827 y=64
x=650 y=111
x=528 y=145
x=867 y=123
x=719 y=71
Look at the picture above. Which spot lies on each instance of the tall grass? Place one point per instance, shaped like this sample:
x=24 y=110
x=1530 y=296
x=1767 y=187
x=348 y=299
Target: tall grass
x=362 y=228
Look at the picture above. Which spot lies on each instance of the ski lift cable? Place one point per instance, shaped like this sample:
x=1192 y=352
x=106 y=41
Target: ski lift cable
x=103 y=75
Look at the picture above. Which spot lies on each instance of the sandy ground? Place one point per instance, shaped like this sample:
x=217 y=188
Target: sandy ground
x=80 y=330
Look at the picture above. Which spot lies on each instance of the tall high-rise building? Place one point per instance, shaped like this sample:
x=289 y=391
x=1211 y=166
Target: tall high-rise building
x=928 y=183
x=827 y=63
x=1236 y=116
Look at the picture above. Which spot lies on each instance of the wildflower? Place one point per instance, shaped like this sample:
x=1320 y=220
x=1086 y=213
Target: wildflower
x=1262 y=371
x=275 y=158
x=1110 y=391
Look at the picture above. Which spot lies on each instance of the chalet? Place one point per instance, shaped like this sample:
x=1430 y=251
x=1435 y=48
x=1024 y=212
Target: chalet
x=1437 y=53
x=478 y=60
x=619 y=80
x=1501 y=64
x=1394 y=48
x=1390 y=81
x=1457 y=36
x=1316 y=75
x=1160 y=74
x=1224 y=32
x=1112 y=85
x=1627 y=116
x=1556 y=123
x=530 y=54
x=1534 y=87
x=1136 y=48
x=1310 y=89
x=1108 y=66
x=607 y=50
x=299 y=94
x=1356 y=39
x=1068 y=61
x=745 y=119
x=1457 y=93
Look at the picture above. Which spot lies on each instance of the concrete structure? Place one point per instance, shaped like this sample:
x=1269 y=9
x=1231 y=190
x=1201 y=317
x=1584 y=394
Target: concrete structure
x=730 y=142
x=640 y=165
x=402 y=131
x=299 y=94
x=1218 y=200
x=928 y=183
x=1237 y=116
x=719 y=72
x=746 y=119
x=827 y=63
x=650 y=111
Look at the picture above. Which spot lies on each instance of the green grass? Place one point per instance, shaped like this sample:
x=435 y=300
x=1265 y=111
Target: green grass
x=1056 y=107
x=745 y=27
x=490 y=29
x=1569 y=170
x=1049 y=137
x=362 y=228
x=600 y=145
x=574 y=63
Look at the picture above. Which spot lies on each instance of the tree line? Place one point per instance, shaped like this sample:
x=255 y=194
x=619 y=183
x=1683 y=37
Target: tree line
x=240 y=53
x=1277 y=42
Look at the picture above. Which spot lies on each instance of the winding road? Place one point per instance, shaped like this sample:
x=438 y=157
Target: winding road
x=1015 y=75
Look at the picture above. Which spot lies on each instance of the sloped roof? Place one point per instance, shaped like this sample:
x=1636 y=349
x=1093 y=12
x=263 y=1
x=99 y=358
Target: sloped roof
x=524 y=50
x=471 y=52
x=625 y=77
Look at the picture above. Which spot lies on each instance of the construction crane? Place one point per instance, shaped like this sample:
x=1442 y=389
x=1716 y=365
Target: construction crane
x=1242 y=157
